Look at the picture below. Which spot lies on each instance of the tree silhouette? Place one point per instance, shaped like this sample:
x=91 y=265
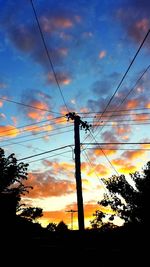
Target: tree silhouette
x=31 y=213
x=51 y=227
x=62 y=227
x=129 y=202
x=12 y=176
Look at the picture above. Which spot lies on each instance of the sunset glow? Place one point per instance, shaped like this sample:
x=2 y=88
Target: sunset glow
x=88 y=47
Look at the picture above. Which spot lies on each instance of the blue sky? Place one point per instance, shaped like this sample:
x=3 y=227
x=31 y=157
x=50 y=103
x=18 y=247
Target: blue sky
x=91 y=44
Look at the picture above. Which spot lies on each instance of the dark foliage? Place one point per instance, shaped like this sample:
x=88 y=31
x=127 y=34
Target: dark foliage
x=62 y=227
x=51 y=227
x=31 y=213
x=129 y=202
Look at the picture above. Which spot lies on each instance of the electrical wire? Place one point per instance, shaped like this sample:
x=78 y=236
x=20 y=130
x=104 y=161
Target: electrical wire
x=46 y=152
x=37 y=138
x=106 y=156
x=132 y=61
x=122 y=124
x=100 y=180
x=41 y=132
x=98 y=123
x=126 y=95
x=54 y=155
x=122 y=149
x=26 y=129
x=109 y=111
x=29 y=106
x=118 y=115
x=117 y=143
x=48 y=54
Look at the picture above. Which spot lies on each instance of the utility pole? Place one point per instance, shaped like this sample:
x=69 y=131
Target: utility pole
x=77 y=124
x=72 y=212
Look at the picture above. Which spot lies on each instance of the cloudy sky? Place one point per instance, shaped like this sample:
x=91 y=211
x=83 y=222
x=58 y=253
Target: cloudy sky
x=91 y=45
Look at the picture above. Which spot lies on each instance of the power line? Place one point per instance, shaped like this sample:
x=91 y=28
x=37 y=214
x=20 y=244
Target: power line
x=121 y=124
x=118 y=115
x=29 y=106
x=48 y=54
x=134 y=86
x=106 y=156
x=123 y=100
x=45 y=131
x=122 y=149
x=117 y=143
x=100 y=123
x=54 y=155
x=120 y=104
x=132 y=61
x=109 y=111
x=100 y=180
x=28 y=125
x=49 y=151
x=37 y=138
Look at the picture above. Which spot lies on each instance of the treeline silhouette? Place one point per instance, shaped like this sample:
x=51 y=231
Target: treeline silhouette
x=103 y=244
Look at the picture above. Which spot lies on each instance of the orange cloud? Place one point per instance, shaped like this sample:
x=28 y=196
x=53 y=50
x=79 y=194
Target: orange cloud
x=148 y=105
x=37 y=114
x=138 y=28
x=15 y=120
x=62 y=22
x=118 y=162
x=133 y=103
x=84 y=110
x=131 y=155
x=141 y=117
x=63 y=78
x=63 y=51
x=1 y=103
x=127 y=168
x=59 y=215
x=142 y=25
x=120 y=130
x=54 y=217
x=35 y=128
x=100 y=169
x=59 y=167
x=124 y=166
x=145 y=146
x=95 y=169
x=108 y=152
x=51 y=24
x=45 y=185
x=8 y=130
x=62 y=111
x=102 y=54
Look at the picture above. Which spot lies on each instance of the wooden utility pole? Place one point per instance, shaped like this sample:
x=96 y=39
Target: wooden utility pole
x=77 y=124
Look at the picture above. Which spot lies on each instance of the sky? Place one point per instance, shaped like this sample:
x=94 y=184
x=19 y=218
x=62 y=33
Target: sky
x=90 y=44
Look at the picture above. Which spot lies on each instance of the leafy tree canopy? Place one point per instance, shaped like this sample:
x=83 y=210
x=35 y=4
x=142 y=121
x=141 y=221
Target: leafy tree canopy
x=12 y=178
x=31 y=213
x=52 y=227
x=62 y=227
x=130 y=203
x=12 y=174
